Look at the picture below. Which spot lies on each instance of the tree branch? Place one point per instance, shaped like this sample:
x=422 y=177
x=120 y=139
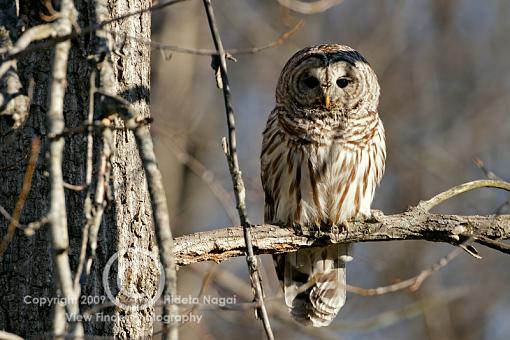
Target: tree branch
x=57 y=214
x=415 y=224
x=20 y=202
x=25 y=46
x=221 y=244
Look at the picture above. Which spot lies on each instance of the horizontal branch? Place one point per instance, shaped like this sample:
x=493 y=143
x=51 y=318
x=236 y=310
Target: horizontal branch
x=416 y=224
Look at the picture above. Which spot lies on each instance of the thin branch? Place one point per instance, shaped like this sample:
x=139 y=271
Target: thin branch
x=74 y=187
x=97 y=210
x=32 y=227
x=36 y=33
x=394 y=316
x=87 y=206
x=206 y=175
x=480 y=164
x=494 y=244
x=97 y=125
x=14 y=103
x=414 y=283
x=25 y=189
x=491 y=175
x=22 y=45
x=235 y=171
x=459 y=189
x=9 y=336
x=57 y=215
x=58 y=37
x=207 y=52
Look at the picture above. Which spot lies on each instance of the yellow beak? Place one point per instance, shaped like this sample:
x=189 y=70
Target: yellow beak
x=327 y=102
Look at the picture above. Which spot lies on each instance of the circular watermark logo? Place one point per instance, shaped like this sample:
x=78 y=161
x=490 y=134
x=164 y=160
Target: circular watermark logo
x=129 y=296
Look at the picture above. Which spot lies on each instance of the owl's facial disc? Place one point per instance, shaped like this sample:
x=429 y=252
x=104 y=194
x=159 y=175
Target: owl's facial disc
x=332 y=87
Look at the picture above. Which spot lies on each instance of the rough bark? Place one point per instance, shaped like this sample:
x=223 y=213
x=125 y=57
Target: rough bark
x=27 y=268
x=221 y=244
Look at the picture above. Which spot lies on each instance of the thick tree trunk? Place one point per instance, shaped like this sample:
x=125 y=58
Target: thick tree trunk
x=27 y=274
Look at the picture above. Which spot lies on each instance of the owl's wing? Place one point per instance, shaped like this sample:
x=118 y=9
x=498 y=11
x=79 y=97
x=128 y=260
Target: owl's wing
x=270 y=141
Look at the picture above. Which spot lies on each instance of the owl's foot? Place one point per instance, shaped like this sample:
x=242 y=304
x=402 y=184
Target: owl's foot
x=315 y=230
x=319 y=232
x=344 y=227
x=298 y=229
x=336 y=230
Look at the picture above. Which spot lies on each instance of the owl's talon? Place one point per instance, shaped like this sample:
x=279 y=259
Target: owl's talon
x=335 y=232
x=318 y=232
x=298 y=230
x=335 y=229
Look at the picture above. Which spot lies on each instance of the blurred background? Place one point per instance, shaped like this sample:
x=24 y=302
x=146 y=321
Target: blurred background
x=444 y=75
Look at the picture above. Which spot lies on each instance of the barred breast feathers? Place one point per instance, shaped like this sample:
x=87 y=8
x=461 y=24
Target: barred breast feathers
x=321 y=170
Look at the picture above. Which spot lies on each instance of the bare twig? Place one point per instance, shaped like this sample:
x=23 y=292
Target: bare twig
x=25 y=189
x=32 y=227
x=459 y=189
x=94 y=210
x=390 y=317
x=205 y=283
x=6 y=214
x=414 y=283
x=491 y=175
x=58 y=37
x=206 y=175
x=57 y=215
x=98 y=125
x=235 y=171
x=87 y=206
x=480 y=164
x=47 y=31
x=103 y=177
x=494 y=244
x=9 y=336
x=13 y=103
x=207 y=52
x=39 y=32
x=74 y=187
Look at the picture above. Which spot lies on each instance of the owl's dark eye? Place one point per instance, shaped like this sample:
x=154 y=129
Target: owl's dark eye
x=342 y=82
x=311 y=82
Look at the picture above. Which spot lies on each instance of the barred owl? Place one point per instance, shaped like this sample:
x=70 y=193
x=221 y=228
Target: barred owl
x=323 y=154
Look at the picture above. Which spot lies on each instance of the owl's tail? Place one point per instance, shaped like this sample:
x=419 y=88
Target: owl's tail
x=314 y=283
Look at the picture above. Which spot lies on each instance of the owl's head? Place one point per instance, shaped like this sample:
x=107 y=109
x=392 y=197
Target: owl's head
x=325 y=78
